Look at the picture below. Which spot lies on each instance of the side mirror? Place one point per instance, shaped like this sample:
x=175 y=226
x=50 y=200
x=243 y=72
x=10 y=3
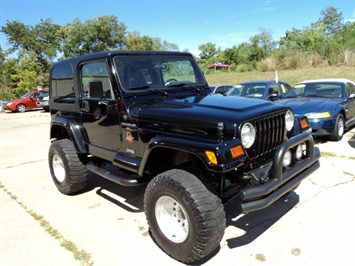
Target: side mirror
x=351 y=95
x=96 y=89
x=274 y=96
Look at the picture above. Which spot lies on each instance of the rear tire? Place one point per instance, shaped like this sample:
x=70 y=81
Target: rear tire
x=338 y=129
x=68 y=172
x=186 y=220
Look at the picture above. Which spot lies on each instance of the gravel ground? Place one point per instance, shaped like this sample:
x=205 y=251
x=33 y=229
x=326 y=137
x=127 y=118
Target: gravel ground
x=106 y=224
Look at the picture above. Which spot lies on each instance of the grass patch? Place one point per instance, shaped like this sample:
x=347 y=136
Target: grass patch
x=330 y=154
x=80 y=255
x=327 y=154
x=290 y=76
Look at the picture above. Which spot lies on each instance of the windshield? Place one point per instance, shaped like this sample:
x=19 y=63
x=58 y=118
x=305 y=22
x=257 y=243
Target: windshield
x=254 y=90
x=25 y=95
x=316 y=89
x=156 y=72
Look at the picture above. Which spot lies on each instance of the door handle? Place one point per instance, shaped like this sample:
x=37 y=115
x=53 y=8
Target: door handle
x=85 y=107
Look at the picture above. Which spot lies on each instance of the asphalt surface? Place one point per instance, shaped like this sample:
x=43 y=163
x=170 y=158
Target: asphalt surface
x=312 y=226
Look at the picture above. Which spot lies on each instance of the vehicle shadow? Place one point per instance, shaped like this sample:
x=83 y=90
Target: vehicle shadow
x=127 y=198
x=253 y=224
x=352 y=141
x=256 y=223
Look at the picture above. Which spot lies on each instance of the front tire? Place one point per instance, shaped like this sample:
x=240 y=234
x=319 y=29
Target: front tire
x=21 y=108
x=186 y=220
x=68 y=172
x=338 y=129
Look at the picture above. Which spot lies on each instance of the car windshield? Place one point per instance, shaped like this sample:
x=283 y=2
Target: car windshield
x=25 y=95
x=254 y=90
x=157 y=72
x=316 y=89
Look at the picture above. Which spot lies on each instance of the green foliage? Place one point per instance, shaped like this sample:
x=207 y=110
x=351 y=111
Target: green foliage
x=134 y=41
x=43 y=39
x=326 y=42
x=208 y=52
x=99 y=34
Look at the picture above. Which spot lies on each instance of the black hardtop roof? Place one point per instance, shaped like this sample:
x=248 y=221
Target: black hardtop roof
x=79 y=58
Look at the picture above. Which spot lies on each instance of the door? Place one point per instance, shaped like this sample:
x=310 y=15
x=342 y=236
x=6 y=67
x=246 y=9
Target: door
x=350 y=93
x=99 y=110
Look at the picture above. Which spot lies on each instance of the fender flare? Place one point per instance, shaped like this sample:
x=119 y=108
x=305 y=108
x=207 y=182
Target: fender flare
x=74 y=129
x=221 y=149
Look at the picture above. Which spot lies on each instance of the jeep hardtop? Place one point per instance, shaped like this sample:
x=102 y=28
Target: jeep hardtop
x=152 y=116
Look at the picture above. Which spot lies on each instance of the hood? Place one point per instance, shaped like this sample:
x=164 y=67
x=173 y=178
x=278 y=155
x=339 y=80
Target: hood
x=200 y=115
x=311 y=105
x=13 y=100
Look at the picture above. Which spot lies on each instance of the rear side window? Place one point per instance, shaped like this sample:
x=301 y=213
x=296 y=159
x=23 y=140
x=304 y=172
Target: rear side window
x=62 y=84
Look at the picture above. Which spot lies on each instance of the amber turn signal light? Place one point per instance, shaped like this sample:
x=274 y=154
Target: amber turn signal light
x=304 y=123
x=237 y=151
x=211 y=157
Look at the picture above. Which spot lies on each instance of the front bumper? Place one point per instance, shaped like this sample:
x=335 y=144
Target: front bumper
x=281 y=181
x=322 y=127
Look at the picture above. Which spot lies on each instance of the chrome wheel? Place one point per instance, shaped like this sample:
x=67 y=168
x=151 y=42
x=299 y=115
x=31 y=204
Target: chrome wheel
x=340 y=127
x=172 y=219
x=21 y=108
x=58 y=168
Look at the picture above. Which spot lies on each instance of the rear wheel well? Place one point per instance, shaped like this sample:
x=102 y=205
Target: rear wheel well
x=59 y=132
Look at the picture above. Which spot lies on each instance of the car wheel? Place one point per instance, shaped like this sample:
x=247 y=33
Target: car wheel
x=338 y=129
x=186 y=220
x=21 y=108
x=68 y=172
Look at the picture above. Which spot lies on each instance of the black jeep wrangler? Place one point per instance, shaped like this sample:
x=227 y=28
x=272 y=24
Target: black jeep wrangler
x=151 y=114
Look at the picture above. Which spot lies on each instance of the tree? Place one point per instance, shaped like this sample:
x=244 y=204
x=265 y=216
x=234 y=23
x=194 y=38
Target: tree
x=21 y=74
x=43 y=40
x=208 y=51
x=264 y=41
x=332 y=20
x=170 y=46
x=99 y=34
x=134 y=41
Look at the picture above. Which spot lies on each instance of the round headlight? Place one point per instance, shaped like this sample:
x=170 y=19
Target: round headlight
x=300 y=151
x=248 y=135
x=286 y=161
x=289 y=120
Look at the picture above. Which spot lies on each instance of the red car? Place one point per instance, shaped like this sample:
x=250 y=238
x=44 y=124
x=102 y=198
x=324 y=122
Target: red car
x=26 y=102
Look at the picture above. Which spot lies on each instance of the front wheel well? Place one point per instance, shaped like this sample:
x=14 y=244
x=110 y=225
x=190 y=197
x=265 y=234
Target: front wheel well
x=163 y=159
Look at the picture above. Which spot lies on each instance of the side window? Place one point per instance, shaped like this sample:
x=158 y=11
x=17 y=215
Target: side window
x=95 y=80
x=285 y=88
x=274 y=89
x=350 y=89
x=62 y=84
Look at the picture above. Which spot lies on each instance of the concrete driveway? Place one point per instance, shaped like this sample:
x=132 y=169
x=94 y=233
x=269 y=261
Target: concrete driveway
x=105 y=225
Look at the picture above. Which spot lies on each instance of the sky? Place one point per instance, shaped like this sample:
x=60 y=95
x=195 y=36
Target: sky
x=187 y=23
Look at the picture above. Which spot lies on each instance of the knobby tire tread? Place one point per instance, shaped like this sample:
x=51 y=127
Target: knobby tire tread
x=207 y=209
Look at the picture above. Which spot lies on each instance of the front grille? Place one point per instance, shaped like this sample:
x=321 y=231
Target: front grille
x=270 y=133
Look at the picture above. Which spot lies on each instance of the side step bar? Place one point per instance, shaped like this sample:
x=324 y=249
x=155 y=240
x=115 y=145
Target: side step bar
x=123 y=179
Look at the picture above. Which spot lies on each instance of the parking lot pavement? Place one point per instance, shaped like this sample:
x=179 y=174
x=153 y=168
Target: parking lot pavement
x=313 y=226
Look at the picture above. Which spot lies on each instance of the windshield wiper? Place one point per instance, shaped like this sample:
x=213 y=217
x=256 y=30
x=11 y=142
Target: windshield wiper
x=182 y=84
x=316 y=96
x=138 y=88
x=164 y=93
